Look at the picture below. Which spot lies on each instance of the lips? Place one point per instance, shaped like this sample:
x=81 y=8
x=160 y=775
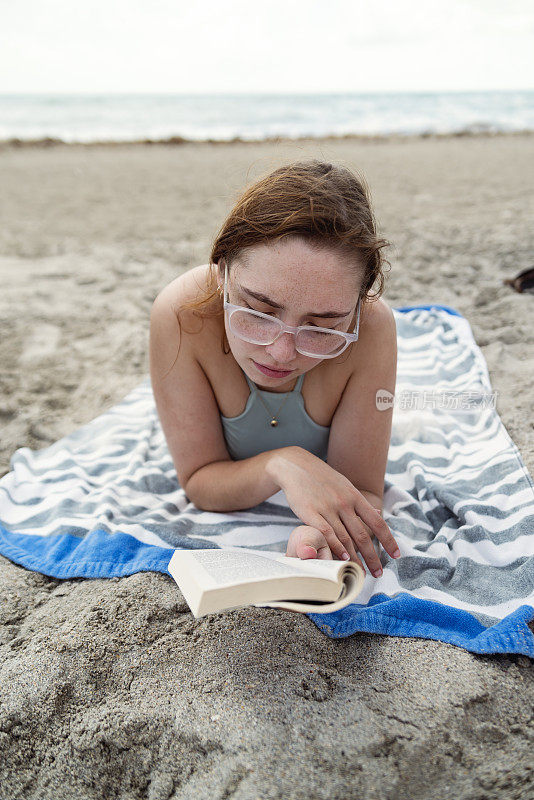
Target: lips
x=271 y=371
x=275 y=369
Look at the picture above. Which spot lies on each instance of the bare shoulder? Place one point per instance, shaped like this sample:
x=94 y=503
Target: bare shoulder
x=187 y=286
x=177 y=295
x=377 y=336
x=377 y=315
x=183 y=393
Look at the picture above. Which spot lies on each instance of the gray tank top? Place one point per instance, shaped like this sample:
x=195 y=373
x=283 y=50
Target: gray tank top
x=251 y=433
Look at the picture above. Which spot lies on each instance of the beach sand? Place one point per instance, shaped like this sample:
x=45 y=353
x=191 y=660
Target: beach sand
x=110 y=689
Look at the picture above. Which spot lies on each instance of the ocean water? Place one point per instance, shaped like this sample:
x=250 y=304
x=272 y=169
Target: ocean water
x=130 y=117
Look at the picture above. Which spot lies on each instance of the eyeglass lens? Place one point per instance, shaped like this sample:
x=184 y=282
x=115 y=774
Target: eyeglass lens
x=259 y=330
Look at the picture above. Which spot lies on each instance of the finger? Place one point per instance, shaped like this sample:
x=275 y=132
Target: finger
x=362 y=540
x=294 y=538
x=373 y=518
x=320 y=551
x=345 y=538
x=325 y=553
x=338 y=538
x=306 y=551
x=308 y=542
x=353 y=553
x=312 y=538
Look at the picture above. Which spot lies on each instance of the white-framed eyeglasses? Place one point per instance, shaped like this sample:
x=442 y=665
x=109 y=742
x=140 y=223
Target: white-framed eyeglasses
x=310 y=340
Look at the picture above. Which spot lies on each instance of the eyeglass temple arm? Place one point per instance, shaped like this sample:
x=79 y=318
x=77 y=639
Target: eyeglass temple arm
x=357 y=326
x=225 y=289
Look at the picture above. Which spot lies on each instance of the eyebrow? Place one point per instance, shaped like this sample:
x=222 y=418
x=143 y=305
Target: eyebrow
x=264 y=299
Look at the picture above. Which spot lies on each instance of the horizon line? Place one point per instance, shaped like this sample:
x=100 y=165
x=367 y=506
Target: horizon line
x=260 y=92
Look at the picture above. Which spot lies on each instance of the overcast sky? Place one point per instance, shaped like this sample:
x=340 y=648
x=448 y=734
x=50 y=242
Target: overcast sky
x=274 y=46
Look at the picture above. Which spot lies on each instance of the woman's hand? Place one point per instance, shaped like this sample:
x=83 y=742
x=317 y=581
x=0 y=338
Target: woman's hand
x=326 y=500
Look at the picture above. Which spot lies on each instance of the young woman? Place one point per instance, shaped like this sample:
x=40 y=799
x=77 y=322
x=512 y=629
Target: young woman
x=266 y=363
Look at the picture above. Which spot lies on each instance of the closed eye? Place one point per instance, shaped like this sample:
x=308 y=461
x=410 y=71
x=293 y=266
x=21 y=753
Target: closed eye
x=273 y=314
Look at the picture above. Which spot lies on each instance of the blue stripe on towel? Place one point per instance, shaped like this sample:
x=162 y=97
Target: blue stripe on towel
x=97 y=555
x=448 y=309
x=104 y=501
x=409 y=616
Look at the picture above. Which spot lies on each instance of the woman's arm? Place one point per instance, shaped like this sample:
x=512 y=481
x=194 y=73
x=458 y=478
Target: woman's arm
x=361 y=428
x=190 y=417
x=234 y=485
x=343 y=507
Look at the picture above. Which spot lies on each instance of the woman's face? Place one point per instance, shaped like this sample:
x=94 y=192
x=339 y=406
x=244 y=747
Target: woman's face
x=302 y=284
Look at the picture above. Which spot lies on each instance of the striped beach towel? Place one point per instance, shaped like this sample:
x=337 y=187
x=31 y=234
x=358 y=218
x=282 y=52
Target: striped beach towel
x=104 y=501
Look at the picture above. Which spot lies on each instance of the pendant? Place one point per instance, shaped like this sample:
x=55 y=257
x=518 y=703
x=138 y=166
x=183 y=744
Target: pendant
x=274 y=423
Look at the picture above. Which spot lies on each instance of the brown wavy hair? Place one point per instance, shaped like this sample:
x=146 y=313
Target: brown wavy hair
x=325 y=204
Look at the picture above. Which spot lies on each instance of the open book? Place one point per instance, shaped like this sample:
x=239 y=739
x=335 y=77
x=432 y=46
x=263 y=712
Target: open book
x=216 y=580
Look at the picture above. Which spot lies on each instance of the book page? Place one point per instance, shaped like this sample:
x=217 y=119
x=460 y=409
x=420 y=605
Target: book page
x=323 y=568
x=351 y=589
x=230 y=567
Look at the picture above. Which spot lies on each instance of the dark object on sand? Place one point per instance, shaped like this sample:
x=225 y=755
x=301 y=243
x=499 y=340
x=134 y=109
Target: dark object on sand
x=523 y=281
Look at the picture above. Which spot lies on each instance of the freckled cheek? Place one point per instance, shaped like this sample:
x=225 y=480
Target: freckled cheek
x=242 y=349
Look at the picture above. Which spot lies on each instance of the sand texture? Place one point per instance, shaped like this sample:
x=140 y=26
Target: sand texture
x=110 y=688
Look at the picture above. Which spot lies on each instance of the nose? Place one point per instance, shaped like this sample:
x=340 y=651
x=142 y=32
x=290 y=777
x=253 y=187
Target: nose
x=283 y=350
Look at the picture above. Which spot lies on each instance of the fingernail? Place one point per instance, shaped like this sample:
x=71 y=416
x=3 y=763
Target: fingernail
x=345 y=556
x=397 y=553
x=378 y=573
